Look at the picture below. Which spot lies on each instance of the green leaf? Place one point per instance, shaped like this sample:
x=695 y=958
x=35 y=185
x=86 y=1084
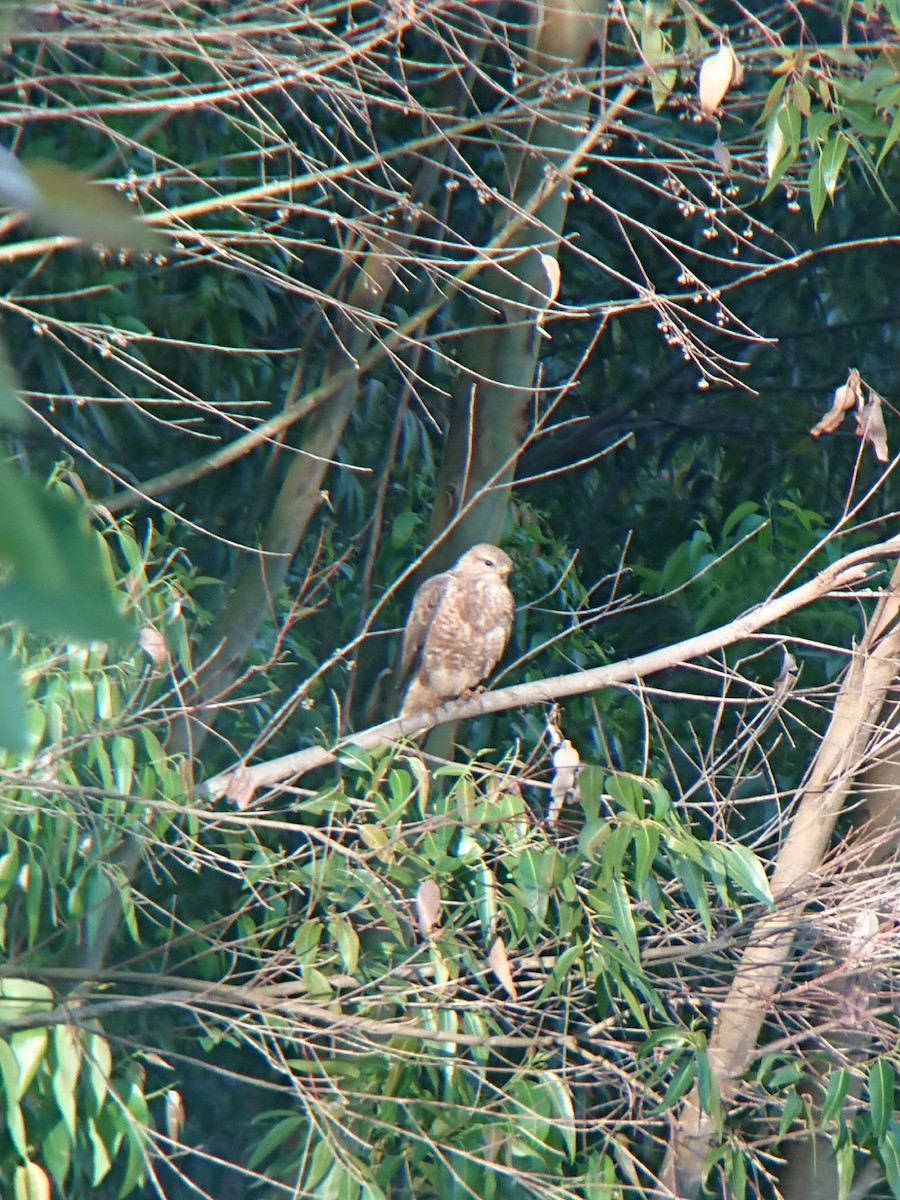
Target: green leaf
x=736 y=1175
x=817 y=194
x=347 y=939
x=21 y=997
x=356 y=758
x=793 y=1108
x=862 y=117
x=316 y=983
x=100 y=1153
x=629 y=793
x=881 y=1096
x=780 y=149
x=15 y=1127
x=130 y=1125
x=747 y=871
x=617 y=845
x=679 y=1085
x=29 y=1047
x=403 y=527
x=601 y=1179
x=707 y=1089
x=563 y=1110
x=339 y=1184
x=773 y=99
x=695 y=887
x=831 y=160
x=9 y=1073
x=31 y=1183
x=67 y=1053
x=97 y=1068
x=571 y=955
x=791 y=123
x=891 y=140
x=890 y=1157
x=123 y=764
x=136 y=1168
x=283 y=1131
x=645 y=844
x=9 y=868
x=845 y=1157
x=136 y=1103
x=306 y=942
x=745 y=509
x=801 y=98
x=787 y=1076
x=594 y=835
x=401 y=785
x=623 y=919
x=657 y=48
x=371 y=1191
x=374 y=836
x=818 y=125
x=56 y=1150
x=838 y=1087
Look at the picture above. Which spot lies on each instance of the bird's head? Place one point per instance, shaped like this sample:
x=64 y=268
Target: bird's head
x=485 y=560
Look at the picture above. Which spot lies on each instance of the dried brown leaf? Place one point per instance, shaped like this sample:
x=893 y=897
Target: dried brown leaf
x=423 y=779
x=429 y=903
x=871 y=428
x=174 y=1114
x=554 y=276
x=864 y=931
x=722 y=156
x=716 y=76
x=500 y=965
x=846 y=397
x=154 y=646
x=787 y=678
x=563 y=785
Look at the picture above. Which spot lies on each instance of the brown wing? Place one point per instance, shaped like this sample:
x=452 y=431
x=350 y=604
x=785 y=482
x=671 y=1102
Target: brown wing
x=425 y=604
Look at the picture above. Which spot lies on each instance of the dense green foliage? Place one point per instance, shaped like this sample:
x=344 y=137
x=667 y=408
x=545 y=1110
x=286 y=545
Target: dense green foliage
x=400 y=975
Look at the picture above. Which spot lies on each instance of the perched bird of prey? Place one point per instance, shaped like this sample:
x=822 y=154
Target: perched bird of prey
x=457 y=630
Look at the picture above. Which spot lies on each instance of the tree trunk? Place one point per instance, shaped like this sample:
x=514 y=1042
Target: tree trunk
x=842 y=759
x=491 y=402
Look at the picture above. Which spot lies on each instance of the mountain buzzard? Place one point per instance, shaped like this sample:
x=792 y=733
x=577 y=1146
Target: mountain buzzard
x=457 y=630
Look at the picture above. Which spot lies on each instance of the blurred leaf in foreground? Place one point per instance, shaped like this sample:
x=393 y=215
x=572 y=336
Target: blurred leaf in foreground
x=54 y=580
x=67 y=203
x=13 y=729
x=12 y=414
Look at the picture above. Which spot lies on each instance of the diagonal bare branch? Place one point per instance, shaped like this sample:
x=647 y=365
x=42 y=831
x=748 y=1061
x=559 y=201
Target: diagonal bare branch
x=848 y=571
